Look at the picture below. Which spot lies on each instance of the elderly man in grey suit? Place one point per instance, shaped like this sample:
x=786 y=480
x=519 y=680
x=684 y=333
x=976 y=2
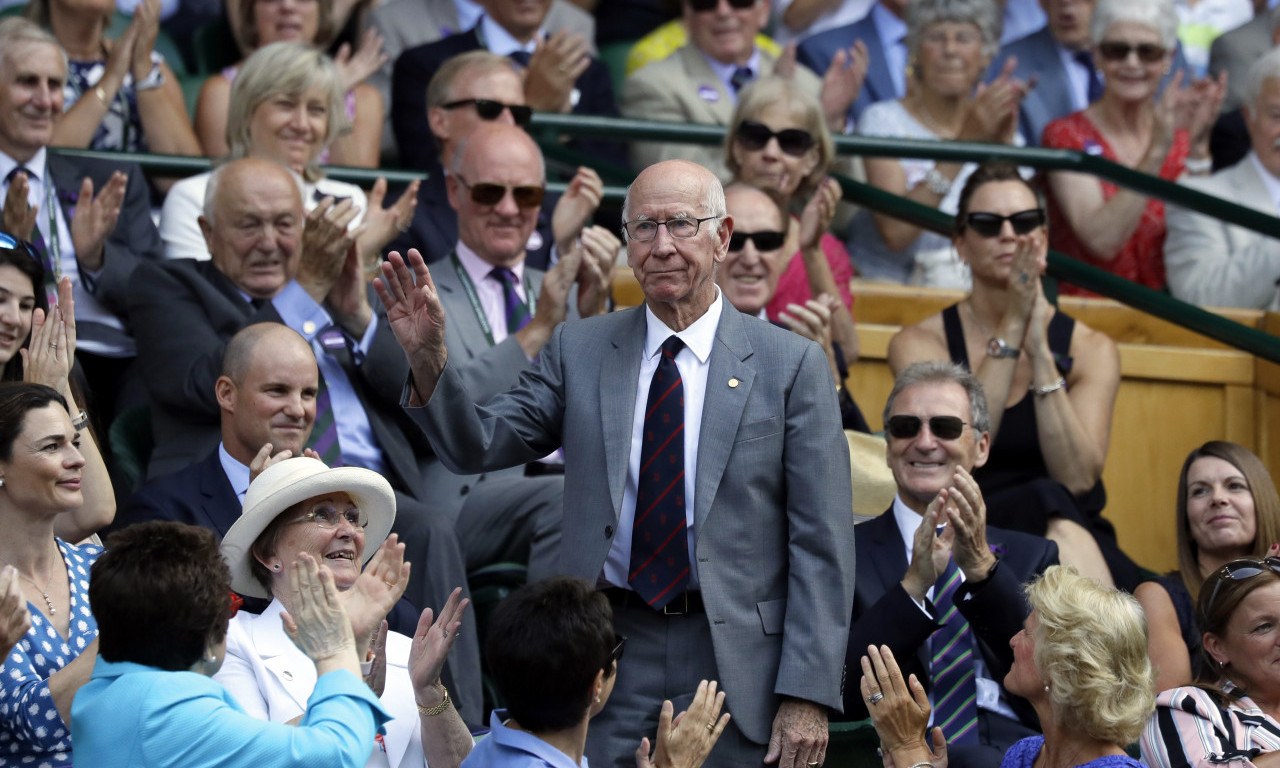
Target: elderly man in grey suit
x=707 y=478
x=699 y=83
x=1213 y=263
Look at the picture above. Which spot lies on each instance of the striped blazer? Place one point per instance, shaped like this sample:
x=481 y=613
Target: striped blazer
x=1190 y=730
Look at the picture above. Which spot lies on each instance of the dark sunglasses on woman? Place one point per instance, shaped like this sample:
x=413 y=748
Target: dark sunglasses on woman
x=1239 y=570
x=764 y=241
x=754 y=136
x=1148 y=53
x=903 y=427
x=488 y=109
x=487 y=193
x=990 y=224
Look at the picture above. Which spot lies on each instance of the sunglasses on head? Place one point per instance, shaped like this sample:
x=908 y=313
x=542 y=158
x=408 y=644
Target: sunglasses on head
x=764 y=241
x=941 y=427
x=487 y=193
x=488 y=109
x=1239 y=570
x=990 y=224
x=10 y=243
x=754 y=136
x=711 y=5
x=1148 y=53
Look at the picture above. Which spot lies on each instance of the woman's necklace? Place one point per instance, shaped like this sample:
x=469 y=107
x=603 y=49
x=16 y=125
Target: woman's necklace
x=986 y=333
x=44 y=591
x=936 y=126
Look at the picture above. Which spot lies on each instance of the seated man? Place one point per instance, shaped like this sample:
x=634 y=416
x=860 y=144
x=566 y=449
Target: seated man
x=932 y=551
x=1211 y=262
x=263 y=267
x=459 y=99
x=560 y=76
x=884 y=34
x=699 y=83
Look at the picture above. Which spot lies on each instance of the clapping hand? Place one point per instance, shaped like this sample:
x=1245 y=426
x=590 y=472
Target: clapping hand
x=264 y=459
x=376 y=590
x=992 y=114
x=967 y=514
x=15 y=619
x=684 y=741
x=818 y=212
x=368 y=58
x=554 y=67
x=326 y=241
x=95 y=217
x=575 y=207
x=432 y=641
x=415 y=316
x=18 y=218
x=843 y=82
x=316 y=621
x=595 y=272
x=899 y=711
x=51 y=354
x=930 y=550
x=376 y=658
x=381 y=225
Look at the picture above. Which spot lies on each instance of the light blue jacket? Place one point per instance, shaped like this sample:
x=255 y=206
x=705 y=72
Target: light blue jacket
x=133 y=716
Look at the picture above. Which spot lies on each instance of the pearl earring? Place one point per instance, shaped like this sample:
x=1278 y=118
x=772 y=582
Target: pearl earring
x=1 y=482
x=1046 y=689
x=276 y=567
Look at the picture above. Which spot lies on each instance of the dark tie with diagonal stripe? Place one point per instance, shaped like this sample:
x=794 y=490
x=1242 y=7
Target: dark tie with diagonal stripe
x=659 y=544
x=955 y=686
x=324 y=433
x=516 y=309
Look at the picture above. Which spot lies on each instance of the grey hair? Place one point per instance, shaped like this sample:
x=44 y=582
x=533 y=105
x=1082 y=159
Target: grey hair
x=983 y=14
x=15 y=30
x=1262 y=70
x=440 y=89
x=805 y=109
x=215 y=178
x=455 y=165
x=289 y=68
x=1156 y=14
x=941 y=372
x=712 y=202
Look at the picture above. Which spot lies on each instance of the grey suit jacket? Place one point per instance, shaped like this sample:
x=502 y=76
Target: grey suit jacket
x=1234 y=52
x=1212 y=263
x=773 y=533
x=683 y=88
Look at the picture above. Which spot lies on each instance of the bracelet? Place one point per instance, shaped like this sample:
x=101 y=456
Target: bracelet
x=437 y=709
x=81 y=421
x=1048 y=388
x=939 y=185
x=922 y=765
x=102 y=96
x=1198 y=166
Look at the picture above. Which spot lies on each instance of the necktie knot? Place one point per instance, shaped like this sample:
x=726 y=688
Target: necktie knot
x=520 y=57
x=515 y=308
x=741 y=76
x=505 y=276
x=1094 y=88
x=672 y=346
x=9 y=176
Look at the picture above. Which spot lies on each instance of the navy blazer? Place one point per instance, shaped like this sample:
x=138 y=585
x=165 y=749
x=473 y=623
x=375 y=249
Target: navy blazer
x=883 y=613
x=414 y=69
x=817 y=51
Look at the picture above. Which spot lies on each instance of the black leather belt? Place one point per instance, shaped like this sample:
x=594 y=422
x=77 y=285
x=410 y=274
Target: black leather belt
x=689 y=601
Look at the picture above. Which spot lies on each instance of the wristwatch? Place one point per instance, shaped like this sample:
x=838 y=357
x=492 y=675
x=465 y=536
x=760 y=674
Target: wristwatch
x=999 y=348
x=154 y=79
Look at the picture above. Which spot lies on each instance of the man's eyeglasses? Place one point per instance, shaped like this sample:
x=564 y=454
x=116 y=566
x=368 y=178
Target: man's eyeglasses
x=487 y=193
x=765 y=241
x=489 y=109
x=990 y=224
x=1239 y=570
x=1148 y=53
x=327 y=516
x=942 y=427
x=616 y=653
x=711 y=5
x=754 y=136
x=644 y=230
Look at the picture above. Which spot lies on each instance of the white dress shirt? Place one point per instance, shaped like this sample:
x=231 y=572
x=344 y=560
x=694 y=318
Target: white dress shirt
x=725 y=71
x=1077 y=77
x=693 y=364
x=237 y=473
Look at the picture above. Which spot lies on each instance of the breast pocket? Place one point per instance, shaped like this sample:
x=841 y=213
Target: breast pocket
x=773 y=614
x=758 y=429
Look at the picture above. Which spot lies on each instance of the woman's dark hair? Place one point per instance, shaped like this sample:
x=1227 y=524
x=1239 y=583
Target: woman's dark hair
x=546 y=643
x=17 y=399
x=25 y=260
x=984 y=174
x=1220 y=595
x=161 y=595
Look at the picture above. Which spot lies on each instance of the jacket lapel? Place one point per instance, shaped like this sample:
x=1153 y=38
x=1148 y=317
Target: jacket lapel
x=218 y=499
x=703 y=82
x=294 y=673
x=618 y=399
x=722 y=408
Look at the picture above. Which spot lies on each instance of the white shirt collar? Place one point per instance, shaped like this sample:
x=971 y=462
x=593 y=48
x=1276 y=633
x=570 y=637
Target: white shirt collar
x=908 y=522
x=478 y=269
x=1268 y=180
x=725 y=71
x=698 y=337
x=35 y=165
x=237 y=473
x=500 y=41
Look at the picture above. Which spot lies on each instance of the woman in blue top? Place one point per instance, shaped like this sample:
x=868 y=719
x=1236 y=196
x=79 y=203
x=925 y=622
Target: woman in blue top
x=161 y=594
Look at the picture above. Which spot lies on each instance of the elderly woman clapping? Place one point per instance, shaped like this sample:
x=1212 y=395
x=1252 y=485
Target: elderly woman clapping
x=296 y=508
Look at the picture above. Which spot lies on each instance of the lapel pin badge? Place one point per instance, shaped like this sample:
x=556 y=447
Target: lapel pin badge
x=733 y=383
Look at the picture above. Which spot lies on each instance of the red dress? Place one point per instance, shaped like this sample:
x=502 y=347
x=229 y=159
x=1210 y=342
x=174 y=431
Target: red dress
x=793 y=286
x=1142 y=257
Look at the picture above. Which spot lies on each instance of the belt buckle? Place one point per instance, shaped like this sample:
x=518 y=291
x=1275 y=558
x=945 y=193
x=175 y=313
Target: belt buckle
x=672 y=609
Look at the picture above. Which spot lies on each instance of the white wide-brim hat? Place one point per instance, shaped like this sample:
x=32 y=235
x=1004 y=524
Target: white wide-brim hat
x=289 y=482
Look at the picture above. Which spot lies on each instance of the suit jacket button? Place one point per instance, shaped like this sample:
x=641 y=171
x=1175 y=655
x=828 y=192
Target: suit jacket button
x=608 y=531
x=465 y=490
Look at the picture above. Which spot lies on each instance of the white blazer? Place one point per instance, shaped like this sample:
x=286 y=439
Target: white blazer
x=272 y=679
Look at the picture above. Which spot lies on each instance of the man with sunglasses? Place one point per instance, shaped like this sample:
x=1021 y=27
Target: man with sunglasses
x=699 y=83
x=468 y=91
x=932 y=550
x=729 y=556
x=560 y=75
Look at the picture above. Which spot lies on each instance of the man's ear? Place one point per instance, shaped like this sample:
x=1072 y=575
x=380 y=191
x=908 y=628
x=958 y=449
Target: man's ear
x=206 y=229
x=438 y=122
x=224 y=389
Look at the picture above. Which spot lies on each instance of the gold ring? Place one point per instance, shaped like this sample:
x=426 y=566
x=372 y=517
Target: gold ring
x=711 y=727
x=391 y=584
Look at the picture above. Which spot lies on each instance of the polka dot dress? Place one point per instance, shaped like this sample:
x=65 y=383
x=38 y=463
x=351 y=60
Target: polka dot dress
x=32 y=734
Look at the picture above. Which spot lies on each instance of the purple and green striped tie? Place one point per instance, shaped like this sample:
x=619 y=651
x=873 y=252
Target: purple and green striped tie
x=516 y=309
x=951 y=667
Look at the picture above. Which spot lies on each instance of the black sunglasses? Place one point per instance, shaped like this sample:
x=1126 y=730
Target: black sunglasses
x=487 y=193
x=765 y=241
x=941 y=427
x=711 y=5
x=990 y=224
x=754 y=136
x=616 y=653
x=1148 y=53
x=1239 y=570
x=488 y=109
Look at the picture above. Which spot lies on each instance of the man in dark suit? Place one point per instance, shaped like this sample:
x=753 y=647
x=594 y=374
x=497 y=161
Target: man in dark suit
x=884 y=33
x=560 y=76
x=453 y=112
x=89 y=219
x=263 y=268
x=911 y=558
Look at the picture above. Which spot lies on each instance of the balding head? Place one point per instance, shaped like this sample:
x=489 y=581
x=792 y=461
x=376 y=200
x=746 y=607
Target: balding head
x=267 y=391
x=504 y=156
x=462 y=81
x=253 y=225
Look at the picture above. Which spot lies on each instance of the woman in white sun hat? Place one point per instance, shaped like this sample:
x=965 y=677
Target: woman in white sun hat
x=301 y=506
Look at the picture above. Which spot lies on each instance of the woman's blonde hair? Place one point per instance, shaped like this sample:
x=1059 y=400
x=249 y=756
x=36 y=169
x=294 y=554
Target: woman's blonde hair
x=1091 y=651
x=805 y=110
x=283 y=68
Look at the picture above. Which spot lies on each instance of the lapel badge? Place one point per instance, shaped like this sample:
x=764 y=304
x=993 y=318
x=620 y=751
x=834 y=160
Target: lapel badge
x=708 y=94
x=733 y=383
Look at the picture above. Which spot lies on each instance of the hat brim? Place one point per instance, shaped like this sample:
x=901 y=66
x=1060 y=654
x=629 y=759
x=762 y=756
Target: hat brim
x=293 y=484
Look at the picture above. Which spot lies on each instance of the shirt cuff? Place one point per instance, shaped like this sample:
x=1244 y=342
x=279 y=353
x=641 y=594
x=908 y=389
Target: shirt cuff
x=301 y=312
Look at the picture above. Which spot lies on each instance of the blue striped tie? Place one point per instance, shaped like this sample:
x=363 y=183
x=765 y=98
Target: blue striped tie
x=951 y=665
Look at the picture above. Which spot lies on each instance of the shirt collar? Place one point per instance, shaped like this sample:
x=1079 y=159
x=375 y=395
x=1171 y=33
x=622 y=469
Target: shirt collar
x=908 y=521
x=890 y=28
x=237 y=473
x=725 y=71
x=500 y=41
x=521 y=741
x=34 y=166
x=1269 y=181
x=478 y=269
x=698 y=337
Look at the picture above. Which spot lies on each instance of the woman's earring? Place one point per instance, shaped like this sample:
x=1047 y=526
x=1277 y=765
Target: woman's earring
x=1 y=482
x=276 y=567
